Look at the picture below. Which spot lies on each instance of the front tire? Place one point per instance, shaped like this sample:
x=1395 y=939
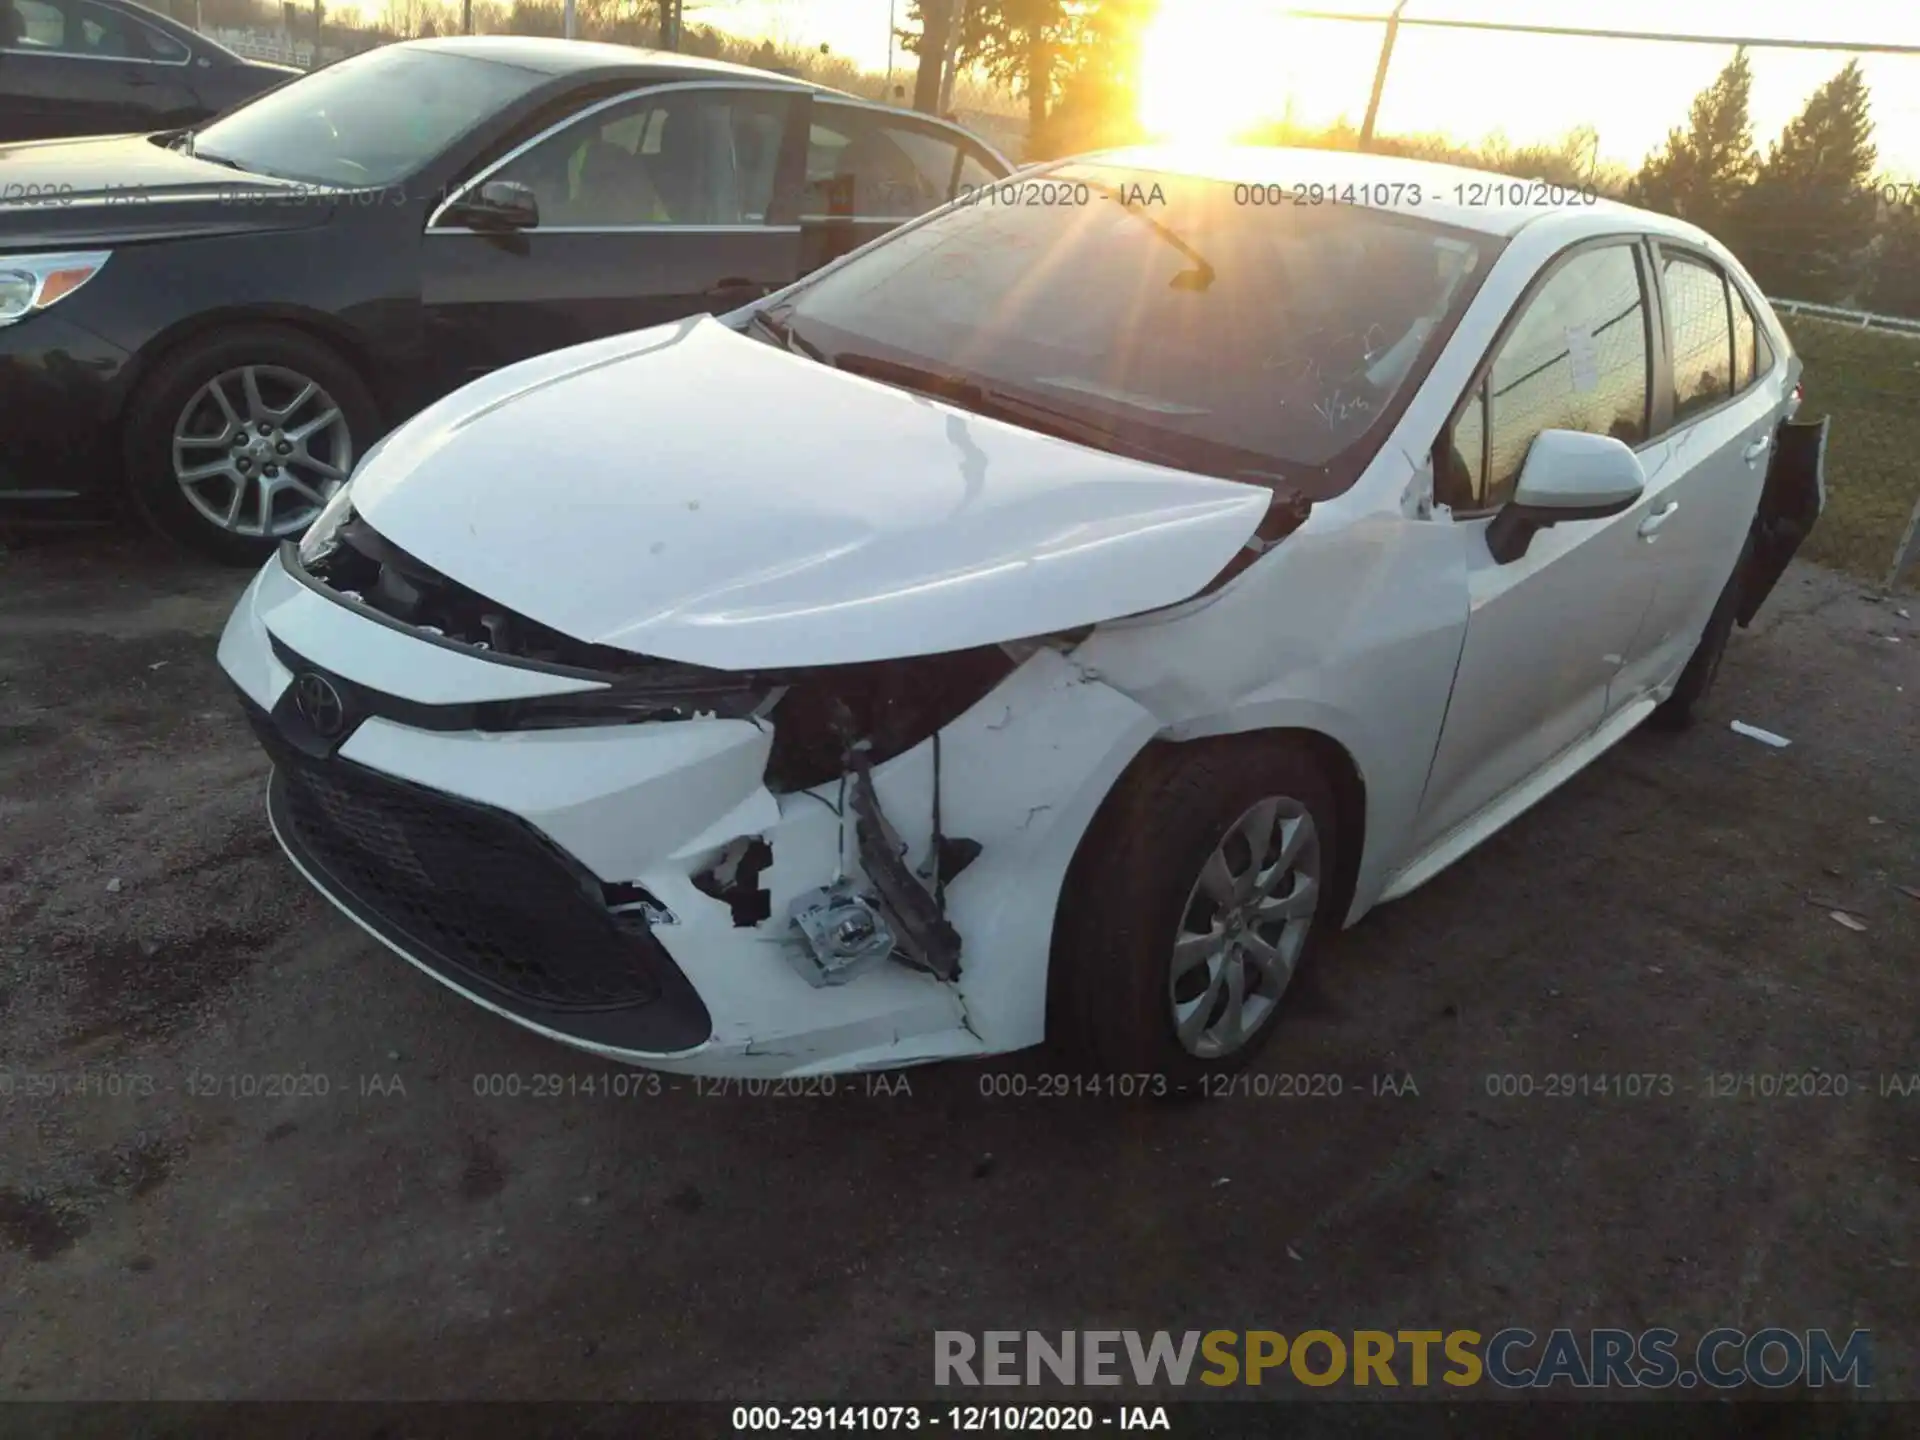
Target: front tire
x=236 y=440
x=1192 y=905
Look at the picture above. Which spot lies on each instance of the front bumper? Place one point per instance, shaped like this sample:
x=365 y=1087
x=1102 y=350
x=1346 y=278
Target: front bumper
x=480 y=901
x=493 y=861
x=59 y=396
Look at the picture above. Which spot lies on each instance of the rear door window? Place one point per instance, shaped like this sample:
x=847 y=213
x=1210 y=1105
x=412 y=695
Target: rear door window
x=1701 y=327
x=867 y=164
x=1752 y=356
x=41 y=27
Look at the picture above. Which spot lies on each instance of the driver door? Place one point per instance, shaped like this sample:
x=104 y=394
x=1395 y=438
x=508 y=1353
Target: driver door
x=678 y=200
x=1547 y=632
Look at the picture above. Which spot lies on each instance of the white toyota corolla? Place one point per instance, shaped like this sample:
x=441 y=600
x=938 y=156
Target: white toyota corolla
x=1040 y=624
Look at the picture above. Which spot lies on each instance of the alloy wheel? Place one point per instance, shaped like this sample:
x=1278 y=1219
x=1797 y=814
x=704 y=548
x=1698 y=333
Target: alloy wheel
x=1246 y=921
x=259 y=449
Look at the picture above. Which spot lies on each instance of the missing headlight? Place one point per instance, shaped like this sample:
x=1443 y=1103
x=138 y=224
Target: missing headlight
x=893 y=705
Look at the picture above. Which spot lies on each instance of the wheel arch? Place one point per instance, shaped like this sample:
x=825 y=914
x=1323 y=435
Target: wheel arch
x=315 y=325
x=1331 y=755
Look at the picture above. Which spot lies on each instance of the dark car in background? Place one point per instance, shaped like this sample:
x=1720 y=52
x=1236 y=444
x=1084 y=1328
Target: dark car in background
x=216 y=324
x=108 y=67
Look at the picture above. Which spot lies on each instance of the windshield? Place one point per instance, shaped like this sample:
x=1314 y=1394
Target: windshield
x=370 y=120
x=1161 y=314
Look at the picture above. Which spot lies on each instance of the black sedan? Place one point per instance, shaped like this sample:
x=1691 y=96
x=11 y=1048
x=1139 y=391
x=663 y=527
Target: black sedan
x=106 y=67
x=217 y=323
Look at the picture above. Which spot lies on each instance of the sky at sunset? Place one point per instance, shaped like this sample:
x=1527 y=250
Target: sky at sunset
x=1220 y=60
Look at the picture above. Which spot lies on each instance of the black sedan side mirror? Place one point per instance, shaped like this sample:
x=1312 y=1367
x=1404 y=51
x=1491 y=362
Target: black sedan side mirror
x=497 y=205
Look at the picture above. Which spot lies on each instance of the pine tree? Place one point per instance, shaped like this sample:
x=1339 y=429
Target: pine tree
x=1809 y=216
x=1704 y=168
x=1896 y=271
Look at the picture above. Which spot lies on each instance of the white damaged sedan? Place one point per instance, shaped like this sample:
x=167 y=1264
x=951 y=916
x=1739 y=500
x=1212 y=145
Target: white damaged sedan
x=1041 y=624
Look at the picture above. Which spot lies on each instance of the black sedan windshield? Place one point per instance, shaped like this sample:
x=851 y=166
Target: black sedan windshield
x=370 y=120
x=1156 y=313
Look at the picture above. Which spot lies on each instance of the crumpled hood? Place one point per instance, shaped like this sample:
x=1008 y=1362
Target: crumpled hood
x=693 y=493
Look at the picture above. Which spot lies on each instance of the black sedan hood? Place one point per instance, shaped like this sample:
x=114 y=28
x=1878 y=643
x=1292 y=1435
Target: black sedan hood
x=126 y=188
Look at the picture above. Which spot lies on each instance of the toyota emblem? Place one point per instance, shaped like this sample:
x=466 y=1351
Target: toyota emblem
x=320 y=705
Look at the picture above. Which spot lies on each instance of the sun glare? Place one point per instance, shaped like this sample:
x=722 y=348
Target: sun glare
x=1209 y=69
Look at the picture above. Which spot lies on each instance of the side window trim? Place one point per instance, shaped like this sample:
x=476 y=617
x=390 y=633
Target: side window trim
x=1660 y=350
x=1477 y=395
x=959 y=134
x=580 y=116
x=1482 y=370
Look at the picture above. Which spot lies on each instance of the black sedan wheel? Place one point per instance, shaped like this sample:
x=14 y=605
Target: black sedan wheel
x=238 y=440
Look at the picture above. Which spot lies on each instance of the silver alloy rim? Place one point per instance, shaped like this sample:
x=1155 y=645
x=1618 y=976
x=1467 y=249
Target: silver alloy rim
x=258 y=450
x=1246 y=919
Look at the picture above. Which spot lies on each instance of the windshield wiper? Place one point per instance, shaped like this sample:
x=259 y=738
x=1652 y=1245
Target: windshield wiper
x=784 y=334
x=1202 y=274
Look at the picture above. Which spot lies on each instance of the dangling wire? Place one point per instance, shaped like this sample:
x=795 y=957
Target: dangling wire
x=840 y=866
x=939 y=859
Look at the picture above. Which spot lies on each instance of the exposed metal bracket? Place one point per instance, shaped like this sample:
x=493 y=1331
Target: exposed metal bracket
x=922 y=934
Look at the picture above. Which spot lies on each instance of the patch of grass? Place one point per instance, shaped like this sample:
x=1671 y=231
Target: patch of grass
x=1869 y=381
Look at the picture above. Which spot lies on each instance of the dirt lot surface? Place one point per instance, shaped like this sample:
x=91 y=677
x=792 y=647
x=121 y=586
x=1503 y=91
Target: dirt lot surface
x=402 y=1236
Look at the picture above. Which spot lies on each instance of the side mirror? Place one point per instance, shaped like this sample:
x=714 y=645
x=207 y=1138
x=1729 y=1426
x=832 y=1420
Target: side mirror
x=496 y=205
x=1568 y=475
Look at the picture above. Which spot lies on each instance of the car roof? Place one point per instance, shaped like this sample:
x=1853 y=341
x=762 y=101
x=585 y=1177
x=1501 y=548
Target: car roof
x=1482 y=200
x=554 y=56
x=550 y=55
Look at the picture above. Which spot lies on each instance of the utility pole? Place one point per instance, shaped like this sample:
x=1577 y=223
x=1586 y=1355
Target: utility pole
x=319 y=20
x=466 y=17
x=568 y=13
x=1380 y=75
x=891 y=23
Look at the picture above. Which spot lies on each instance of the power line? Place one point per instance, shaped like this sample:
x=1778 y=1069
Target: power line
x=1754 y=42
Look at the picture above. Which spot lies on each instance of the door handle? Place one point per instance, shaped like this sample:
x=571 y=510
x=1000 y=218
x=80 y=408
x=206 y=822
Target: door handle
x=1758 y=448
x=1658 y=518
x=740 y=285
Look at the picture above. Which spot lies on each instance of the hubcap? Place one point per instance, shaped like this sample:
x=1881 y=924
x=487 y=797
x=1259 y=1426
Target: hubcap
x=1246 y=919
x=258 y=450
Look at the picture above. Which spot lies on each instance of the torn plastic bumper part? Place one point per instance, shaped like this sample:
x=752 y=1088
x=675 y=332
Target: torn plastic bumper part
x=1792 y=501
x=639 y=815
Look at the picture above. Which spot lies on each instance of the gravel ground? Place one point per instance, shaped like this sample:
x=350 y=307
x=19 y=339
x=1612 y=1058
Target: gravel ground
x=402 y=1236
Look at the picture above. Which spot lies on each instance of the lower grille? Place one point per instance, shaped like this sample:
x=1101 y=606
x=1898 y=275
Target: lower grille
x=467 y=890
